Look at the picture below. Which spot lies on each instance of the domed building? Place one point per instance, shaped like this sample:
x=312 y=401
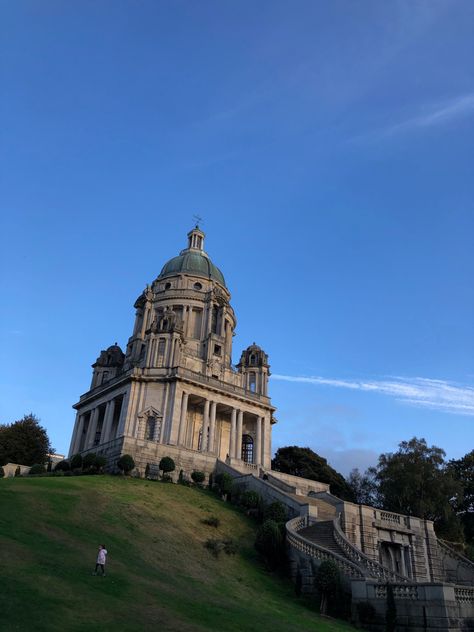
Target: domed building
x=174 y=392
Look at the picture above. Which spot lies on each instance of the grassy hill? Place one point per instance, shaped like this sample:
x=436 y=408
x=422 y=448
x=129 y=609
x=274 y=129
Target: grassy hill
x=159 y=576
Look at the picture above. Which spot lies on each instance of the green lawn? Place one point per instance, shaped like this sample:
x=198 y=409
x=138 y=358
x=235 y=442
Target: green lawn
x=159 y=575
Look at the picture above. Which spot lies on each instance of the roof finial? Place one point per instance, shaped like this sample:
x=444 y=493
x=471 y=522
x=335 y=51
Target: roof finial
x=198 y=219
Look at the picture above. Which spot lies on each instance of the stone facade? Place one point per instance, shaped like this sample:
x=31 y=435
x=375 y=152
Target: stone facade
x=175 y=391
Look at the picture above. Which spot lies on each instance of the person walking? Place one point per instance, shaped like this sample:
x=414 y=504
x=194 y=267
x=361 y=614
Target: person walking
x=101 y=559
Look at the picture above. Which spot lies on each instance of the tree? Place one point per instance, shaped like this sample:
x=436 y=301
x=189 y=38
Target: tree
x=167 y=465
x=363 y=486
x=307 y=464
x=328 y=581
x=415 y=481
x=126 y=463
x=462 y=470
x=24 y=441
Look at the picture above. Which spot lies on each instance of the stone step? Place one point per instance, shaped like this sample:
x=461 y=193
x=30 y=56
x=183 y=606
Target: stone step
x=321 y=533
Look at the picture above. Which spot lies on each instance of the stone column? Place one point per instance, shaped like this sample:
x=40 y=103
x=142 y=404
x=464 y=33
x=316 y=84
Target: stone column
x=109 y=415
x=182 y=419
x=238 y=443
x=76 y=437
x=264 y=437
x=258 y=442
x=233 y=431
x=205 y=425
x=89 y=442
x=212 y=427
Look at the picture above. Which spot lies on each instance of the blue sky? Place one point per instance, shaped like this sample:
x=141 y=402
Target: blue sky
x=329 y=149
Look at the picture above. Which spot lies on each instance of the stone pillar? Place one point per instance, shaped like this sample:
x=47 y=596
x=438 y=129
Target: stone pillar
x=76 y=437
x=238 y=443
x=233 y=432
x=264 y=437
x=258 y=442
x=205 y=426
x=109 y=415
x=183 y=419
x=89 y=442
x=212 y=427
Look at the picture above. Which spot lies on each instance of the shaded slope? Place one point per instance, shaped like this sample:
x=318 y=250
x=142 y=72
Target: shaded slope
x=159 y=573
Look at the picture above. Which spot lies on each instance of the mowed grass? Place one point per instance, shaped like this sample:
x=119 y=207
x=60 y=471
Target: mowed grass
x=159 y=574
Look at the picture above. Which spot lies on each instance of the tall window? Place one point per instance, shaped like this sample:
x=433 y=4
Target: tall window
x=150 y=428
x=252 y=382
x=247 y=448
x=161 y=351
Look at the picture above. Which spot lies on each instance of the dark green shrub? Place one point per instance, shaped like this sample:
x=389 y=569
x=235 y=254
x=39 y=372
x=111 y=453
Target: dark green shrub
x=2 y=472
x=167 y=465
x=250 y=499
x=270 y=542
x=126 y=463
x=198 y=477
x=215 y=546
x=62 y=466
x=366 y=612
x=391 y=612
x=275 y=511
x=76 y=462
x=212 y=521
x=328 y=583
x=34 y=469
x=99 y=462
x=88 y=461
x=223 y=483
x=18 y=470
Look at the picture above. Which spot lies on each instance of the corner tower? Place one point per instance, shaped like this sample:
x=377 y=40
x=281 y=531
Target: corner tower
x=175 y=391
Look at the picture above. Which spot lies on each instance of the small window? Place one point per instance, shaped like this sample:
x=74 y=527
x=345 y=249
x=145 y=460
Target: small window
x=167 y=286
x=217 y=350
x=252 y=382
x=252 y=359
x=197 y=286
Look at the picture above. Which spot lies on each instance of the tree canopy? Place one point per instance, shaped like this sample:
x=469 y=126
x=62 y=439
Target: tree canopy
x=24 y=441
x=307 y=464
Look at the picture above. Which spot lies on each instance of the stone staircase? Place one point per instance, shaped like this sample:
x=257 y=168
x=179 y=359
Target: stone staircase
x=322 y=534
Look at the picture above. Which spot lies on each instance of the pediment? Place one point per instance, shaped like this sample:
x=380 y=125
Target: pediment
x=150 y=412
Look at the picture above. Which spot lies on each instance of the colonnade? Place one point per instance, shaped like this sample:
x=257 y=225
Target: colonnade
x=102 y=413
x=208 y=430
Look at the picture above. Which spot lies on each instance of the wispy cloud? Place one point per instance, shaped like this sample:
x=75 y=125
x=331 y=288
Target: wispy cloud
x=432 y=116
x=418 y=391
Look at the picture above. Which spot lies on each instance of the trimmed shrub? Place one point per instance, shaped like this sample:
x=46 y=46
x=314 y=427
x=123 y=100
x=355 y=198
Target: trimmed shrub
x=275 y=511
x=100 y=462
x=62 y=466
x=34 y=469
x=223 y=483
x=212 y=521
x=270 y=542
x=126 y=463
x=216 y=546
x=167 y=465
x=76 y=462
x=88 y=461
x=250 y=499
x=198 y=477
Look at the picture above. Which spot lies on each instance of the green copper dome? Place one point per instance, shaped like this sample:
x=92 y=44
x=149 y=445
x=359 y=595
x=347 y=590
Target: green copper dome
x=190 y=262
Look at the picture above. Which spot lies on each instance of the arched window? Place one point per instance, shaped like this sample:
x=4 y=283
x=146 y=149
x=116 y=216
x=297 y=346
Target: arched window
x=247 y=448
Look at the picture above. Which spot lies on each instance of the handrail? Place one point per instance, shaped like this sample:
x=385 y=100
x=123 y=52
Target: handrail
x=374 y=569
x=312 y=549
x=459 y=556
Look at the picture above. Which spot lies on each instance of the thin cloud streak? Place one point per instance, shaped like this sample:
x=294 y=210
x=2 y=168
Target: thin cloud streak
x=418 y=391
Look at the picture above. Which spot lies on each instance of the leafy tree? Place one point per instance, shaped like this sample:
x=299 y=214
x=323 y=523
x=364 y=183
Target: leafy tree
x=126 y=463
x=224 y=482
x=462 y=470
x=270 y=542
x=363 y=486
x=37 y=468
x=415 y=481
x=198 y=477
x=276 y=511
x=328 y=582
x=100 y=462
x=24 y=441
x=62 y=466
x=307 y=464
x=88 y=461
